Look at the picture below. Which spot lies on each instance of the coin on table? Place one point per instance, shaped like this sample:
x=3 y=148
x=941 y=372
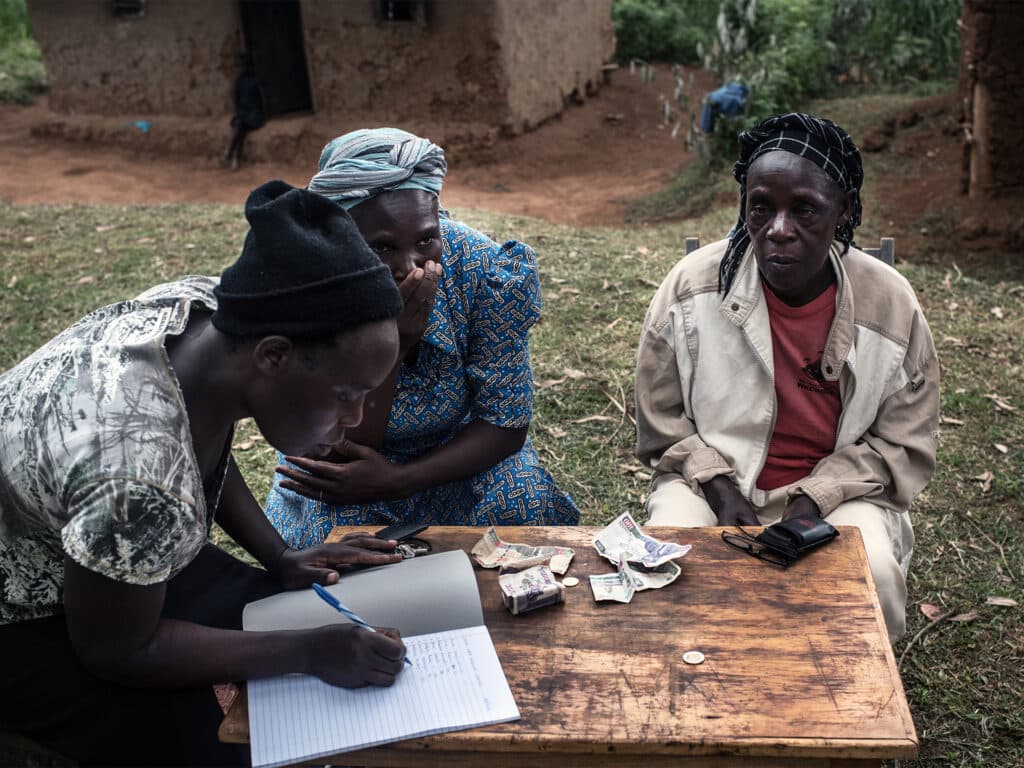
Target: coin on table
x=693 y=657
x=570 y=581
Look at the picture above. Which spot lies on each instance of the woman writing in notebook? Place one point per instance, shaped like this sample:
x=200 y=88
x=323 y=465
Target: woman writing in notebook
x=116 y=613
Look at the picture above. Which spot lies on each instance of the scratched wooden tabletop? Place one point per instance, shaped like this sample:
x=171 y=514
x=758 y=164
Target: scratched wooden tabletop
x=798 y=670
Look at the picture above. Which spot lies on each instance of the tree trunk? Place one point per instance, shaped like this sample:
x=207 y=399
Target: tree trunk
x=992 y=92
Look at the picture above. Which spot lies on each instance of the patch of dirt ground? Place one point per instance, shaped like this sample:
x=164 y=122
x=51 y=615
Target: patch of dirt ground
x=582 y=168
x=919 y=196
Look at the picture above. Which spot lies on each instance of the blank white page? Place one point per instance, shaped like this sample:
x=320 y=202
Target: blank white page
x=456 y=682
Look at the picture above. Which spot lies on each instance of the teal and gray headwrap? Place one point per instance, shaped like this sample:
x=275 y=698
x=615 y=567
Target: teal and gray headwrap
x=364 y=163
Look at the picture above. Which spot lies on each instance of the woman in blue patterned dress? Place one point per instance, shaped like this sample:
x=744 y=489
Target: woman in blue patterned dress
x=444 y=439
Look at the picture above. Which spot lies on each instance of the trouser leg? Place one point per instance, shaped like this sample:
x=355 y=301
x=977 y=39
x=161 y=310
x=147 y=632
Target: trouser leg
x=672 y=502
x=889 y=542
x=234 y=153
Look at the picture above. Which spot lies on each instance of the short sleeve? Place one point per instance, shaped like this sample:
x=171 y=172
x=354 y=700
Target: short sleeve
x=132 y=532
x=506 y=305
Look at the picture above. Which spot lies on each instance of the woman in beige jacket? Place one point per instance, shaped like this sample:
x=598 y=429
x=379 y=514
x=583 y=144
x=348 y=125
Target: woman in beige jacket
x=783 y=372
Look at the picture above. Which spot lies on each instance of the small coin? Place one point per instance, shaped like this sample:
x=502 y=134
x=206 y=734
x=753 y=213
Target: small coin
x=570 y=581
x=693 y=657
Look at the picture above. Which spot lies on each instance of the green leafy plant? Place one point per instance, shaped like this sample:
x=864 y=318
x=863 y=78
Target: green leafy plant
x=788 y=52
x=22 y=74
x=663 y=30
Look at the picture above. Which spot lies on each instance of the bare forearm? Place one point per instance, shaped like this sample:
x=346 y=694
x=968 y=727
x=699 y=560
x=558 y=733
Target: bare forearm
x=182 y=654
x=726 y=501
x=718 y=490
x=475 y=449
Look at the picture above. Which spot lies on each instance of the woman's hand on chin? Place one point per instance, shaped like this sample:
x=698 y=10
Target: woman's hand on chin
x=418 y=290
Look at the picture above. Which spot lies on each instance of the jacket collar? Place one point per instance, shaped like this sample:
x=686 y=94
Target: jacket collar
x=746 y=294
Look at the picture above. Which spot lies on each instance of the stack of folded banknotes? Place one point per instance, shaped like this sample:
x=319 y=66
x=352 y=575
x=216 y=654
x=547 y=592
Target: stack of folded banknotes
x=529 y=589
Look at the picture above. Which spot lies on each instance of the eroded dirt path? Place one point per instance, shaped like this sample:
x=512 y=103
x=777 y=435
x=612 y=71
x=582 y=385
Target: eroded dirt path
x=581 y=168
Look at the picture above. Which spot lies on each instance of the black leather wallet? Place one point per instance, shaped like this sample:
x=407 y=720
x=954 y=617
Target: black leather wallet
x=400 y=531
x=792 y=538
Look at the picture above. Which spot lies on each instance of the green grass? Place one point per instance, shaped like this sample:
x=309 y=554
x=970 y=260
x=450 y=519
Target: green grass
x=963 y=678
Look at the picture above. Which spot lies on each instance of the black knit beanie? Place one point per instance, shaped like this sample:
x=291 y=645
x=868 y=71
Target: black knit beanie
x=304 y=270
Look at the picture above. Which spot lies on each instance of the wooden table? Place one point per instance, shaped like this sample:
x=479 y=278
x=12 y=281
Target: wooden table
x=798 y=671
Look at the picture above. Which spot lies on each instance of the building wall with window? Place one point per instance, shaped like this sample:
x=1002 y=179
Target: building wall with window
x=506 y=64
x=178 y=58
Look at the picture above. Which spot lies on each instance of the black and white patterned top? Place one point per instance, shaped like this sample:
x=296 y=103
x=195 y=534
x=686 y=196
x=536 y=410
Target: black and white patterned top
x=96 y=456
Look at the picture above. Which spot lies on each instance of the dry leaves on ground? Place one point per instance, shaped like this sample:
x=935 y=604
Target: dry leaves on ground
x=963 y=618
x=588 y=419
x=1000 y=402
x=1005 y=602
x=985 y=478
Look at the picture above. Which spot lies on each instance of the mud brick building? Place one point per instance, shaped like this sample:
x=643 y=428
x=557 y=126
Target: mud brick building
x=456 y=70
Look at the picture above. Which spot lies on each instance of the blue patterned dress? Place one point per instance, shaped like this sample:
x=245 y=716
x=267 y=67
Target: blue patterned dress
x=473 y=363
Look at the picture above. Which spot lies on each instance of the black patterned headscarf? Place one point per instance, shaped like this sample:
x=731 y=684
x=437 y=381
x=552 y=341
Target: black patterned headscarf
x=823 y=143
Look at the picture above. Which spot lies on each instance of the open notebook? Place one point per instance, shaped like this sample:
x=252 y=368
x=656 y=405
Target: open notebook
x=455 y=682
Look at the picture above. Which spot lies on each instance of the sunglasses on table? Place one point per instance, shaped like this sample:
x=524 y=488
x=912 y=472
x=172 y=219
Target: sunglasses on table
x=784 y=542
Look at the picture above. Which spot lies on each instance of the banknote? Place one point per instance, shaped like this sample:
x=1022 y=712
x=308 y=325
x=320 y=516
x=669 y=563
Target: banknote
x=618 y=586
x=652 y=578
x=530 y=589
x=492 y=552
x=623 y=538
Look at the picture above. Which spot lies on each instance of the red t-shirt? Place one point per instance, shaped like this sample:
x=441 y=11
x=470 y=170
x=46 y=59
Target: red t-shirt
x=808 y=407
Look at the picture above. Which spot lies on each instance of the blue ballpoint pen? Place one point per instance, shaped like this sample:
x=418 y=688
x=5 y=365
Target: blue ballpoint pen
x=337 y=605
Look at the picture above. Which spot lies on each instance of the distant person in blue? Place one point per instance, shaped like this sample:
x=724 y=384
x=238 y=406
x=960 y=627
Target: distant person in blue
x=444 y=439
x=729 y=101
x=250 y=113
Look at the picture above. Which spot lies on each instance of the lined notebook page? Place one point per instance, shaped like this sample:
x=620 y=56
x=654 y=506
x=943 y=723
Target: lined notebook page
x=456 y=682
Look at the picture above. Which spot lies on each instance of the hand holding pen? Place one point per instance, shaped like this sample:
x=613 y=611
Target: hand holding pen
x=337 y=605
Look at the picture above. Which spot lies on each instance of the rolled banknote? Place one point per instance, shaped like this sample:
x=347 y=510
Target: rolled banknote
x=492 y=552
x=530 y=589
x=623 y=538
x=617 y=586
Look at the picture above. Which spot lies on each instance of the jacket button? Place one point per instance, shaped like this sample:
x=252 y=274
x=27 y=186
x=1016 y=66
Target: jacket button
x=828 y=369
x=735 y=307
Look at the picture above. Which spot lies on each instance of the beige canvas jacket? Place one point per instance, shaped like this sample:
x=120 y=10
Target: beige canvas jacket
x=705 y=393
